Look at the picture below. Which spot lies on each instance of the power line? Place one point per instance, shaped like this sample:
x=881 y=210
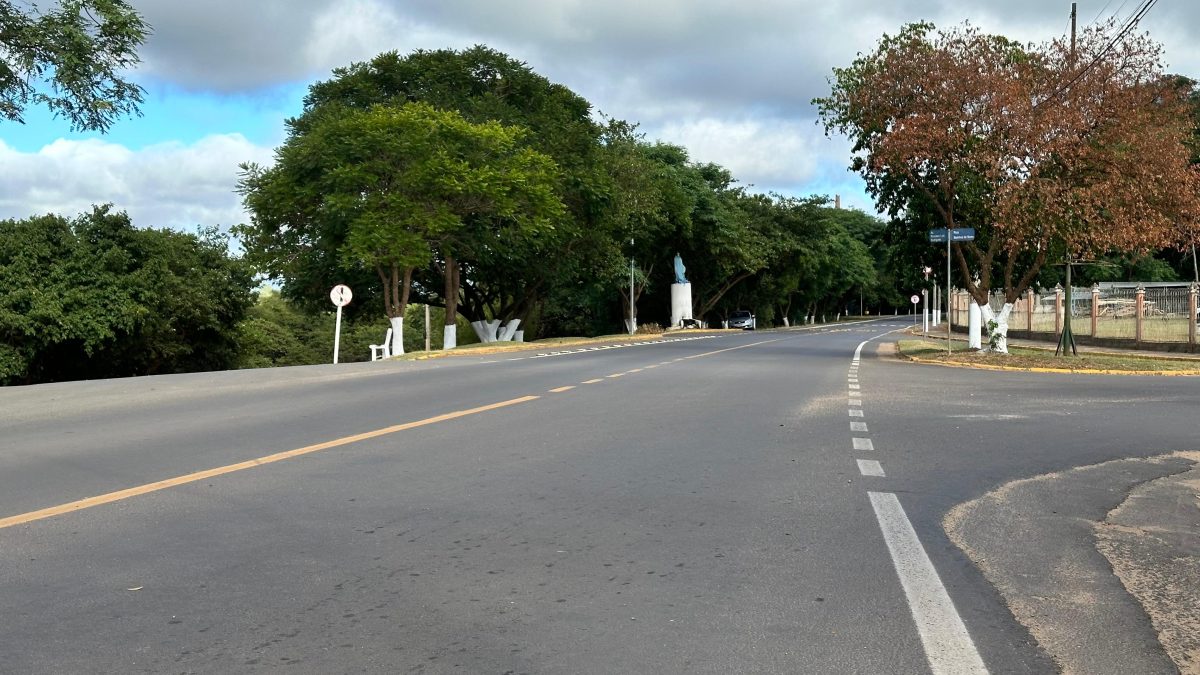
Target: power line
x=1130 y=24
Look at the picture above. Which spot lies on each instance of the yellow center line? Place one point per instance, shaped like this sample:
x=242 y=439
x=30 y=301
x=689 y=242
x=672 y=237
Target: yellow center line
x=616 y=375
x=598 y=379
x=636 y=370
x=241 y=466
x=560 y=390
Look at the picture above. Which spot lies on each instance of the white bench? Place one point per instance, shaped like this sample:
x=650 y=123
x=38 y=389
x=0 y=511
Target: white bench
x=384 y=350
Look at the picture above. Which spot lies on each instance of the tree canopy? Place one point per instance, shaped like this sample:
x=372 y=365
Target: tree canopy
x=389 y=186
x=1046 y=150
x=97 y=297
x=70 y=59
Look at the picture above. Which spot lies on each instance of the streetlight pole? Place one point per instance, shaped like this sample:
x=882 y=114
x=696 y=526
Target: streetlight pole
x=632 y=316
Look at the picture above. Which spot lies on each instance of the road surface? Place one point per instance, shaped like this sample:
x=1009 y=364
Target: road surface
x=766 y=502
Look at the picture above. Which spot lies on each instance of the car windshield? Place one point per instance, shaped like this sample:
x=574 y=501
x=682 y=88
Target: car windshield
x=741 y=315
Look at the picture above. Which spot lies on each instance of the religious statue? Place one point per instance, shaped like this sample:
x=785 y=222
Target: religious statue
x=679 y=270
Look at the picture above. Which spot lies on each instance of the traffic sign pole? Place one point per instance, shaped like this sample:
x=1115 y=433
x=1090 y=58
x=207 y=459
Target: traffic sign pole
x=340 y=295
x=337 y=334
x=949 y=235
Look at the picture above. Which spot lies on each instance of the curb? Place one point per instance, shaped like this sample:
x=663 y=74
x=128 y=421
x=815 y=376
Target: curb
x=1035 y=369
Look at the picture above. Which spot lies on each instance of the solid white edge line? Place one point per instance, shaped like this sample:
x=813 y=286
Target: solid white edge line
x=948 y=647
x=870 y=467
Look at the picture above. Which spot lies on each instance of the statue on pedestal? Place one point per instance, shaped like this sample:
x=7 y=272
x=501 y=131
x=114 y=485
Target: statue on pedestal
x=681 y=296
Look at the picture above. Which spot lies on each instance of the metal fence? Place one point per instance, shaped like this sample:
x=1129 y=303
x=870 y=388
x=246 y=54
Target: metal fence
x=1149 y=315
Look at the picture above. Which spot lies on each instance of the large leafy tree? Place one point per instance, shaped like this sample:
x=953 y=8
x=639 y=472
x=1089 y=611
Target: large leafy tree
x=1046 y=150
x=71 y=59
x=492 y=276
x=389 y=186
x=97 y=297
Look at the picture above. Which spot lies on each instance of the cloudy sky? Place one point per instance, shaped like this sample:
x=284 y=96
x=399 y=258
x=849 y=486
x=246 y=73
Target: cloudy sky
x=730 y=80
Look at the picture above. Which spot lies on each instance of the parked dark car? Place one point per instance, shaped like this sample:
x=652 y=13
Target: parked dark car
x=742 y=319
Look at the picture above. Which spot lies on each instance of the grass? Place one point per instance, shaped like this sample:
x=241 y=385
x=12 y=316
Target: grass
x=1024 y=357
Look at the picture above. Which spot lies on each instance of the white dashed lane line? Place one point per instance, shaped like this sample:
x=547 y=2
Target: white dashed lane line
x=870 y=467
x=948 y=647
x=581 y=350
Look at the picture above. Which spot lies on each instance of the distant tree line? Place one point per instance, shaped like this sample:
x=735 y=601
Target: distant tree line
x=465 y=181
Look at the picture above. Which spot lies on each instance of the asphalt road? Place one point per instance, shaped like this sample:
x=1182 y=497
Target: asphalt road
x=688 y=507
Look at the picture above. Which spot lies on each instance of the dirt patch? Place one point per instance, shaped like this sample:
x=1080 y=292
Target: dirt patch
x=1152 y=541
x=1035 y=541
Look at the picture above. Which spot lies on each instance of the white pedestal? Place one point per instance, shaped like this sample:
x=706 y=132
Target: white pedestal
x=681 y=304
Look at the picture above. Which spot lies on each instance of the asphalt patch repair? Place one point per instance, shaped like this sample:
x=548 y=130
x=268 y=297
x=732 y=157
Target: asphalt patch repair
x=1100 y=563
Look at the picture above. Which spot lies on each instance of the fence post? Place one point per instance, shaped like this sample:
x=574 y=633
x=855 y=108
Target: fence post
x=1139 y=305
x=1192 y=293
x=1095 y=307
x=1058 y=306
x=1029 y=298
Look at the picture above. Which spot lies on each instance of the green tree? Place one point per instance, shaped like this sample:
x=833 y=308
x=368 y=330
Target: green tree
x=390 y=185
x=97 y=297
x=70 y=59
x=486 y=275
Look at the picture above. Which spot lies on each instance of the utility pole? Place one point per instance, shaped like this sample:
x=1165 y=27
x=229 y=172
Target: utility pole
x=1074 y=12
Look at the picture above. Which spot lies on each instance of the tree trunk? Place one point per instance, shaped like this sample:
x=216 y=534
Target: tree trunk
x=997 y=327
x=450 y=332
x=396 y=289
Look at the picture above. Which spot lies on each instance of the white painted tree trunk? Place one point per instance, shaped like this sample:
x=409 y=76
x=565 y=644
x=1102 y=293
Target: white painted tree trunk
x=486 y=330
x=785 y=323
x=509 y=330
x=974 y=321
x=998 y=336
x=397 y=335
x=450 y=337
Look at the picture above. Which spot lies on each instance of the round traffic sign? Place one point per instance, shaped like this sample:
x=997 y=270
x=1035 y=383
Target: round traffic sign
x=915 y=299
x=341 y=295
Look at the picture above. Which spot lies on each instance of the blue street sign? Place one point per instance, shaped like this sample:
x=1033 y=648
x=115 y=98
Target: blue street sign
x=957 y=234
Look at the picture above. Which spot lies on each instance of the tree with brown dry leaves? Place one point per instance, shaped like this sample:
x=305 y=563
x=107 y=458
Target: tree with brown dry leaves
x=1047 y=151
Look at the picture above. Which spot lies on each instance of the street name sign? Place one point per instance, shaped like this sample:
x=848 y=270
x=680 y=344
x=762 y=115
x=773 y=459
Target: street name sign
x=957 y=234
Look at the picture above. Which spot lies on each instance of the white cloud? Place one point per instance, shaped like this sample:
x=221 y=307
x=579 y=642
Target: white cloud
x=761 y=152
x=164 y=185
x=792 y=157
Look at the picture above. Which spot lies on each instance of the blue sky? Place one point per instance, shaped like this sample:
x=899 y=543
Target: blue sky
x=730 y=80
